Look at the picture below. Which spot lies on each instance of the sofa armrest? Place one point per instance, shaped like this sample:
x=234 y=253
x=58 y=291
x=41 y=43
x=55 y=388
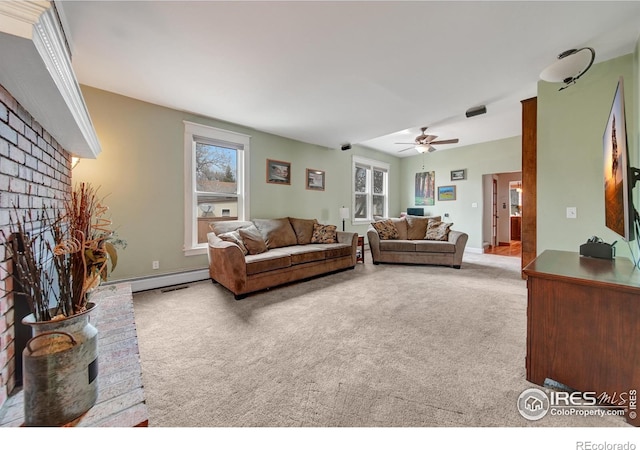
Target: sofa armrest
x=374 y=244
x=227 y=265
x=459 y=239
x=348 y=237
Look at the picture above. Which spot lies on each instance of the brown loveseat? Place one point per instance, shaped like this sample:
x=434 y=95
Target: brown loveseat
x=249 y=256
x=416 y=240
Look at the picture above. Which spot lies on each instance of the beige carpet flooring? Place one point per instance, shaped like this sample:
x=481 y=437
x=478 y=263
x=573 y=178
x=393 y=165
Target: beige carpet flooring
x=377 y=346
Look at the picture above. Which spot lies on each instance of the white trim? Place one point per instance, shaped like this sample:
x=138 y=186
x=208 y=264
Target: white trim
x=160 y=281
x=37 y=71
x=474 y=250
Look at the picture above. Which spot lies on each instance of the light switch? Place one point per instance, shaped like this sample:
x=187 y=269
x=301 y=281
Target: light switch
x=571 y=212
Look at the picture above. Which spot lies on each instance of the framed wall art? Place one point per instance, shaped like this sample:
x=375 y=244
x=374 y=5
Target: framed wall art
x=446 y=193
x=424 y=189
x=315 y=180
x=278 y=172
x=460 y=174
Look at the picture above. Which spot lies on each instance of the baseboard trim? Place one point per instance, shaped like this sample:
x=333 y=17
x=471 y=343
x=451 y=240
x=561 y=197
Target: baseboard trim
x=474 y=250
x=164 y=280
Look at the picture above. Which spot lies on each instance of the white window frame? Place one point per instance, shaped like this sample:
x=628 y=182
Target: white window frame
x=370 y=164
x=223 y=138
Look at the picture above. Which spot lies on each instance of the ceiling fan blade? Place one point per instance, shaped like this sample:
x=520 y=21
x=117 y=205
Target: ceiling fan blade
x=429 y=138
x=446 y=141
x=405 y=149
x=405 y=143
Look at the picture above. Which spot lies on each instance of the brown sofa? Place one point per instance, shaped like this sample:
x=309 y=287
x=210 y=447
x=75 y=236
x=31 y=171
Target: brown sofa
x=409 y=246
x=249 y=256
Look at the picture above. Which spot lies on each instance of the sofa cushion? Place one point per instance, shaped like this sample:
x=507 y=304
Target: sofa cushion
x=301 y=254
x=324 y=234
x=435 y=246
x=224 y=226
x=253 y=240
x=416 y=227
x=386 y=229
x=437 y=231
x=234 y=236
x=267 y=261
x=303 y=228
x=337 y=250
x=276 y=232
x=397 y=245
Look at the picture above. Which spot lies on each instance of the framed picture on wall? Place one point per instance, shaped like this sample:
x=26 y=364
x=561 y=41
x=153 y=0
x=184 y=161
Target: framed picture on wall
x=278 y=172
x=460 y=174
x=315 y=180
x=446 y=193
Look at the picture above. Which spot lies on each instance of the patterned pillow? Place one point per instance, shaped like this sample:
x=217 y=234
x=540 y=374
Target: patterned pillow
x=438 y=231
x=324 y=234
x=386 y=229
x=234 y=236
x=253 y=240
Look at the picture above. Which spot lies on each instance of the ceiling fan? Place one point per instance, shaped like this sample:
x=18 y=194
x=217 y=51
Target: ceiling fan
x=425 y=142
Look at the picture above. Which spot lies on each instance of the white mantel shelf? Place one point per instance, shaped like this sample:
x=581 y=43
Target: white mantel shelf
x=35 y=67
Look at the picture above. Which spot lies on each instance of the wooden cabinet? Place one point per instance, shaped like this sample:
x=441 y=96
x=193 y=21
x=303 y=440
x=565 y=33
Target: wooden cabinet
x=583 y=324
x=516 y=228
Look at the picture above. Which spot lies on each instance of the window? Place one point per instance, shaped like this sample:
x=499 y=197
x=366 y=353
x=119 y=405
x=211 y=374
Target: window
x=216 y=181
x=370 y=189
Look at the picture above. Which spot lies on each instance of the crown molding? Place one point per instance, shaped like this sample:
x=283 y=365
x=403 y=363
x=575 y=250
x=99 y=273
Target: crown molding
x=37 y=71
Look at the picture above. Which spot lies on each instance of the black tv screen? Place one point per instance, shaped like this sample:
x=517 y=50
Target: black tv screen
x=618 y=203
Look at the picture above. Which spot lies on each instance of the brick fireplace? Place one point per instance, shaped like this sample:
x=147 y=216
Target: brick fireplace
x=39 y=98
x=34 y=171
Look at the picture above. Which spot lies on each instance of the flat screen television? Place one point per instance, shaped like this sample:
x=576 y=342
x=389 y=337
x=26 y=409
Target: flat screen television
x=620 y=213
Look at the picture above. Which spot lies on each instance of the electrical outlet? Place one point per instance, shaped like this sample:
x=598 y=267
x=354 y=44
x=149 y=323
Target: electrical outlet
x=155 y=265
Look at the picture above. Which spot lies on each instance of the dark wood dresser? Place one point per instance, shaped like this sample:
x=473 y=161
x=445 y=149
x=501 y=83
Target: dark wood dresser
x=583 y=324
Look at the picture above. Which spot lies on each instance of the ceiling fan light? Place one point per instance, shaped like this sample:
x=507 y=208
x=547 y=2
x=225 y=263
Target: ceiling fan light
x=570 y=66
x=423 y=148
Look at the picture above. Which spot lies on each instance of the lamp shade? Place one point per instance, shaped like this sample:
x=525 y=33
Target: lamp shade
x=344 y=213
x=570 y=66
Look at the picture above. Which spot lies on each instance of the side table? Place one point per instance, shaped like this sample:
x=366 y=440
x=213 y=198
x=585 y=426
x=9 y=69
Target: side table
x=360 y=250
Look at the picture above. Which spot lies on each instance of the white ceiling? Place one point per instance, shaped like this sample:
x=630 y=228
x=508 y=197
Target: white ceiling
x=329 y=73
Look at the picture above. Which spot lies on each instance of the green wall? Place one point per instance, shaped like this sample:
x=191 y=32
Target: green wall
x=570 y=154
x=466 y=212
x=140 y=171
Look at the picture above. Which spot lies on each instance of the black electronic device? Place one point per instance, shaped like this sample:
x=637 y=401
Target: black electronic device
x=597 y=248
x=476 y=111
x=415 y=211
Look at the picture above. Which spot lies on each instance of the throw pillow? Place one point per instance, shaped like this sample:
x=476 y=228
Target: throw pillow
x=252 y=240
x=324 y=234
x=303 y=229
x=438 y=231
x=386 y=229
x=416 y=227
x=234 y=236
x=276 y=232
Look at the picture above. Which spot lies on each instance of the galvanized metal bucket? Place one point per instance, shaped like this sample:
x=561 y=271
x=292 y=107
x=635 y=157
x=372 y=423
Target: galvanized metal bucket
x=60 y=370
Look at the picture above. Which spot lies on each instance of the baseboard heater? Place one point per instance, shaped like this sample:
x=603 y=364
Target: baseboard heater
x=164 y=280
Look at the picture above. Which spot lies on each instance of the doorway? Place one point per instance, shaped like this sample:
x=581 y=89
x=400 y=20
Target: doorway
x=503 y=220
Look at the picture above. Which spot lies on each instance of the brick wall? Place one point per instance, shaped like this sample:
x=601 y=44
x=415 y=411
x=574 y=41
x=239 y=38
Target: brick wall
x=34 y=171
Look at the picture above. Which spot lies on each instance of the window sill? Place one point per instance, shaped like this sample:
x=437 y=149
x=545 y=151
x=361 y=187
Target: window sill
x=195 y=251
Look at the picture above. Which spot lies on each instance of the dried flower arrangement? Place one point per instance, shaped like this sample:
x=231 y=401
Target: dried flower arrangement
x=62 y=254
